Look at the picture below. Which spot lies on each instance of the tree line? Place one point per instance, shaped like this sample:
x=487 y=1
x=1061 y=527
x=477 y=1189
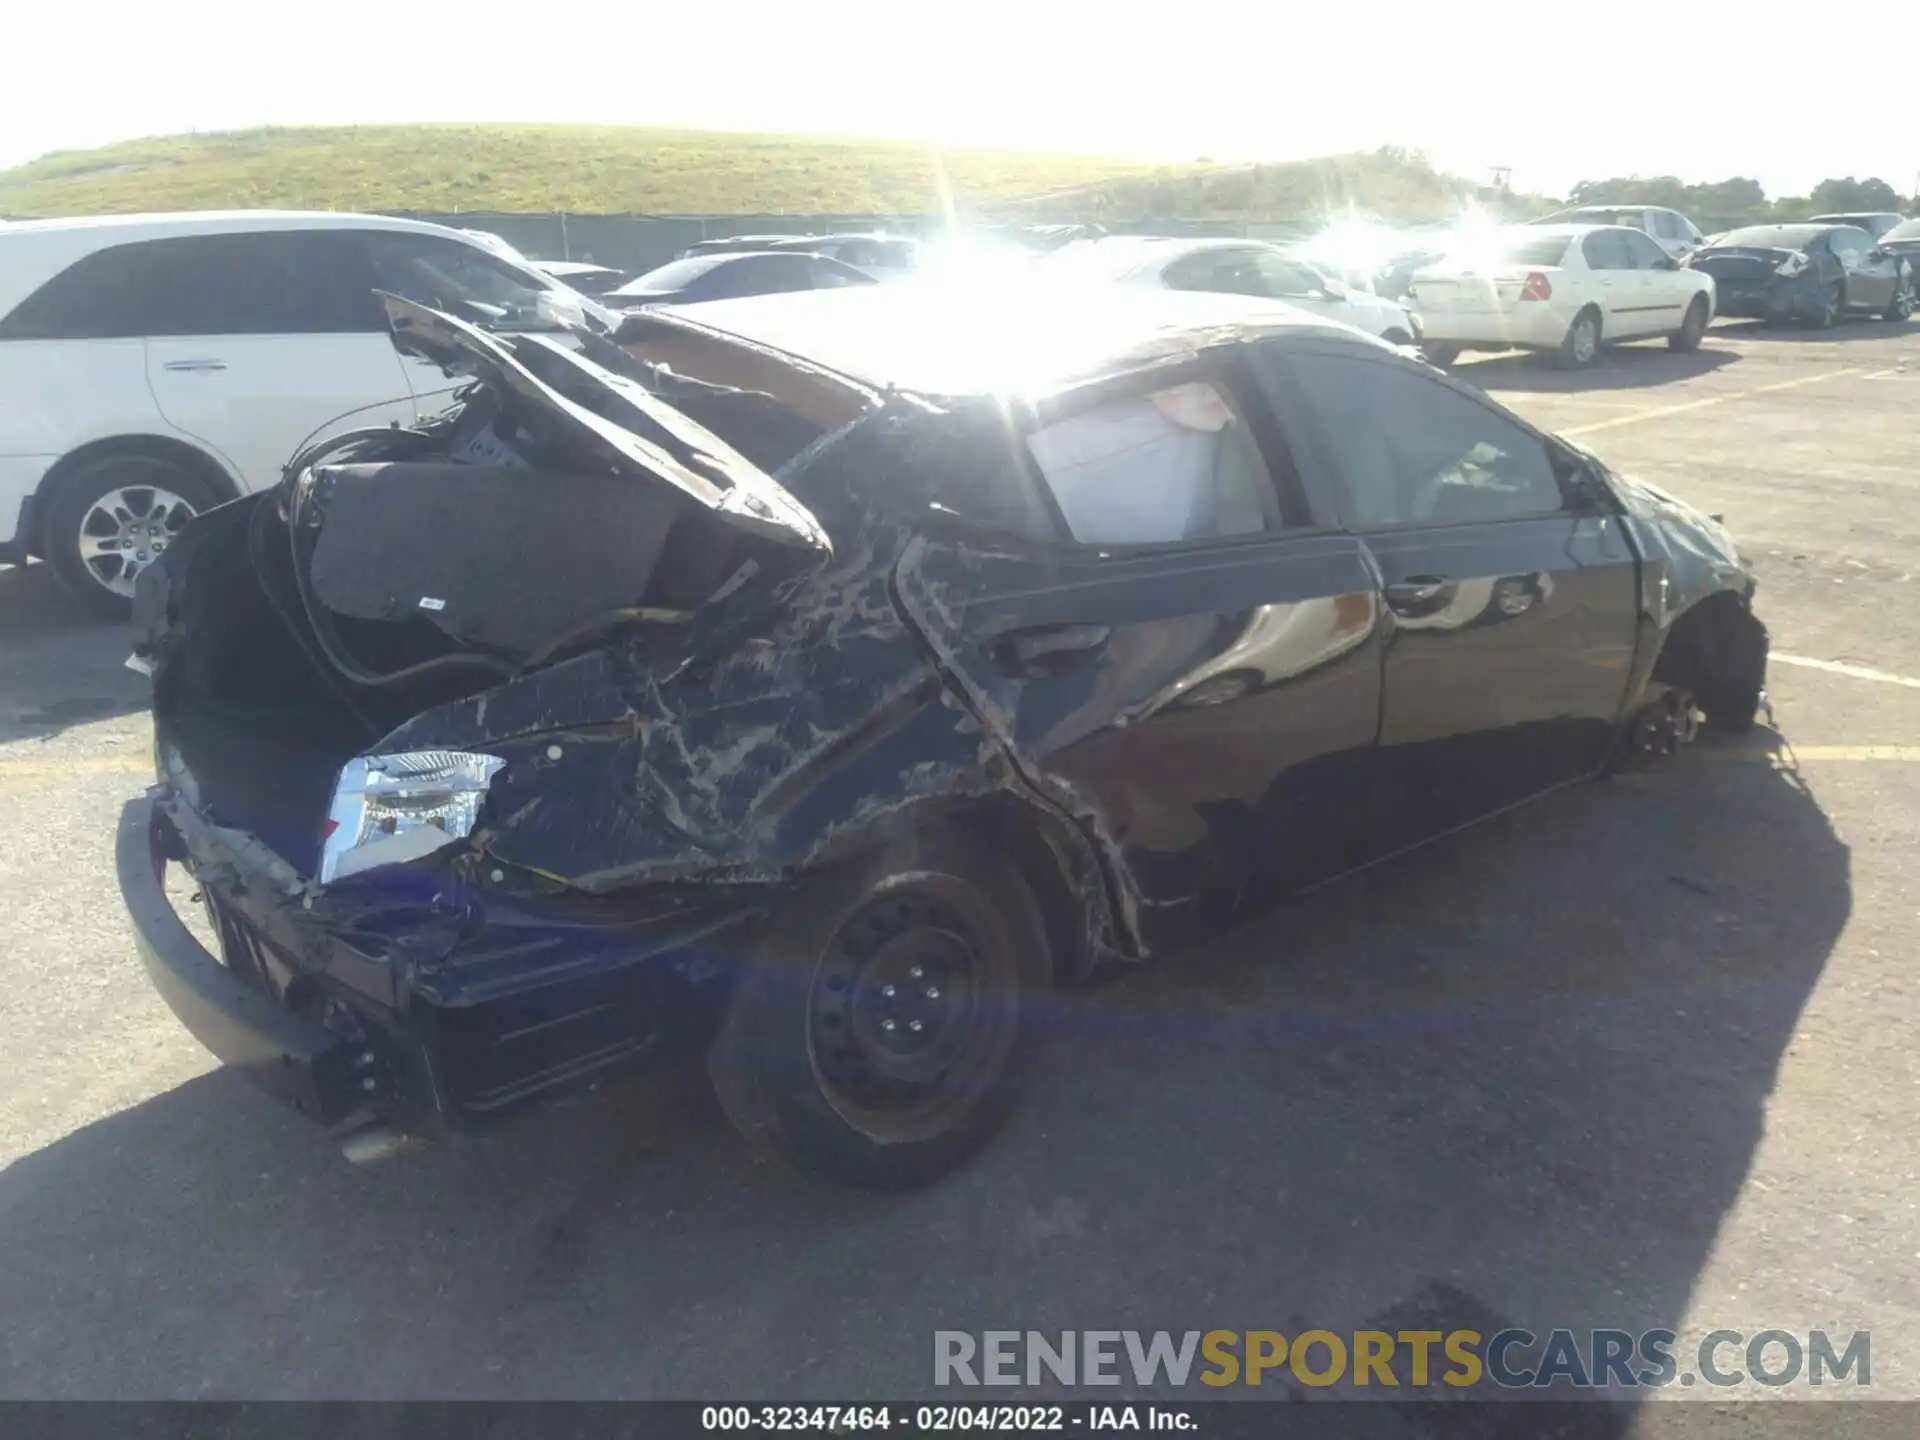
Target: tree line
x=1725 y=204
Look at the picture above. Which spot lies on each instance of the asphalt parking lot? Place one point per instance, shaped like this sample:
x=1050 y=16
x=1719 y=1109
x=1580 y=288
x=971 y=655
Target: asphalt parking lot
x=1639 y=1055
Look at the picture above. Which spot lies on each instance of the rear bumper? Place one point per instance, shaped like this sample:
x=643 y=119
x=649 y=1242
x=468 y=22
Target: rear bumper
x=1535 y=325
x=310 y=1068
x=435 y=1027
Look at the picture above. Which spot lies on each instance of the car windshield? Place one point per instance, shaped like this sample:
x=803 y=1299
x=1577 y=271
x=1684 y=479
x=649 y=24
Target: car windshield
x=1905 y=230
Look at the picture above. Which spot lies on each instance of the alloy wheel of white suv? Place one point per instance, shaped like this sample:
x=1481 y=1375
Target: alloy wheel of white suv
x=113 y=518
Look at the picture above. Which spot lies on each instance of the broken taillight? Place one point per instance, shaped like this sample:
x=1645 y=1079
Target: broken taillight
x=1538 y=287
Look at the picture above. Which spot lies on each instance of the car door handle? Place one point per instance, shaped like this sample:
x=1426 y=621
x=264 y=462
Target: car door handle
x=1418 y=593
x=1049 y=649
x=200 y=363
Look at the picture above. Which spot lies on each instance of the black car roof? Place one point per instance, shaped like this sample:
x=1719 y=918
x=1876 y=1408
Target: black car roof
x=948 y=339
x=1774 y=236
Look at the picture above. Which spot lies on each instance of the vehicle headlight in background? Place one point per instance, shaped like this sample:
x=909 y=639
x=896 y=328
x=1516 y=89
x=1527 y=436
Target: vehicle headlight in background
x=1793 y=265
x=392 y=808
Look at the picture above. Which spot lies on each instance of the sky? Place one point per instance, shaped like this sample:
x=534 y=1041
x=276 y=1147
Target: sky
x=1556 y=92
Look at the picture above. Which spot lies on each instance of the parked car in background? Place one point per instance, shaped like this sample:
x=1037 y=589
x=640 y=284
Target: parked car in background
x=1233 y=267
x=583 y=275
x=1904 y=240
x=1669 y=229
x=724 y=276
x=1817 y=274
x=736 y=244
x=1569 y=289
x=640 y=750
x=152 y=366
x=885 y=257
x=1875 y=222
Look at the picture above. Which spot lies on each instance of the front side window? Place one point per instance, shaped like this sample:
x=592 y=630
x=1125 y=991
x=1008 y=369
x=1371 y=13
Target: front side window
x=1178 y=464
x=1666 y=225
x=1410 y=450
x=1850 y=247
x=1644 y=253
x=463 y=280
x=1285 y=279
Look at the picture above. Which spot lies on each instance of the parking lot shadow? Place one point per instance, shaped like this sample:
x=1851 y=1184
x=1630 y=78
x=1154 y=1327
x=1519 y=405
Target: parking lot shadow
x=1618 y=367
x=1854 y=328
x=1516 y=1079
x=59 y=667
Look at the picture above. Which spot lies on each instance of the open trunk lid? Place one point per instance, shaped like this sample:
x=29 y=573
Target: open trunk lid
x=628 y=429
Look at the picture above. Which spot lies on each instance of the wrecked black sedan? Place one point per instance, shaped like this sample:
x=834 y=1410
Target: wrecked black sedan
x=818 y=680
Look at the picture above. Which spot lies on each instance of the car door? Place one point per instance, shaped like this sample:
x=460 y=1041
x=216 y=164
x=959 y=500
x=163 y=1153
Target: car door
x=1176 y=654
x=1617 y=284
x=1510 y=589
x=1869 y=285
x=259 y=341
x=1665 y=289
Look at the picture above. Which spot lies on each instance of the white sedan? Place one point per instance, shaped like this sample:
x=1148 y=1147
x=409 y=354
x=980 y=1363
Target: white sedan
x=1235 y=267
x=1565 y=288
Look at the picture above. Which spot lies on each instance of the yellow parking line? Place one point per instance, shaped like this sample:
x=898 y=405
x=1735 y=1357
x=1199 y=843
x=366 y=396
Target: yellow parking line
x=1660 y=412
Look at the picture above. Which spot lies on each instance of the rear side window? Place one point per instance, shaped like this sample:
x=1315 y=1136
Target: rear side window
x=277 y=282
x=1179 y=464
x=1666 y=225
x=1607 y=250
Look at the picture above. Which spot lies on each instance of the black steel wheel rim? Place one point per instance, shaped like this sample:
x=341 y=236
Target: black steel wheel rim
x=912 y=1008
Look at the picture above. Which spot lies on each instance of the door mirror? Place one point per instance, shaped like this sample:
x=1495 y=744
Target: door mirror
x=1332 y=288
x=1666 y=262
x=1878 y=252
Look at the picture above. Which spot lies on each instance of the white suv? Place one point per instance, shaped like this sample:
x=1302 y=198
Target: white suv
x=152 y=366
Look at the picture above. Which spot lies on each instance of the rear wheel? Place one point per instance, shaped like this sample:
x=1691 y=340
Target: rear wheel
x=115 y=516
x=1396 y=336
x=1833 y=304
x=1692 y=329
x=877 y=1034
x=1442 y=355
x=1582 y=342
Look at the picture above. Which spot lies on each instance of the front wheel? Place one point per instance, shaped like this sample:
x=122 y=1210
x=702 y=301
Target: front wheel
x=1692 y=329
x=112 y=518
x=1442 y=354
x=876 y=1035
x=1902 y=307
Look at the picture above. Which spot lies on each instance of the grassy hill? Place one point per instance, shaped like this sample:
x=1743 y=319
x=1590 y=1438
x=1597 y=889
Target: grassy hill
x=586 y=169
x=603 y=169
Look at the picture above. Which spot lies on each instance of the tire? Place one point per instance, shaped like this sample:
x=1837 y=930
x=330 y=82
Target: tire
x=1582 y=343
x=1442 y=355
x=1833 y=305
x=1692 y=329
x=1719 y=653
x=1396 y=336
x=105 y=511
x=1901 y=310
x=810 y=1059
